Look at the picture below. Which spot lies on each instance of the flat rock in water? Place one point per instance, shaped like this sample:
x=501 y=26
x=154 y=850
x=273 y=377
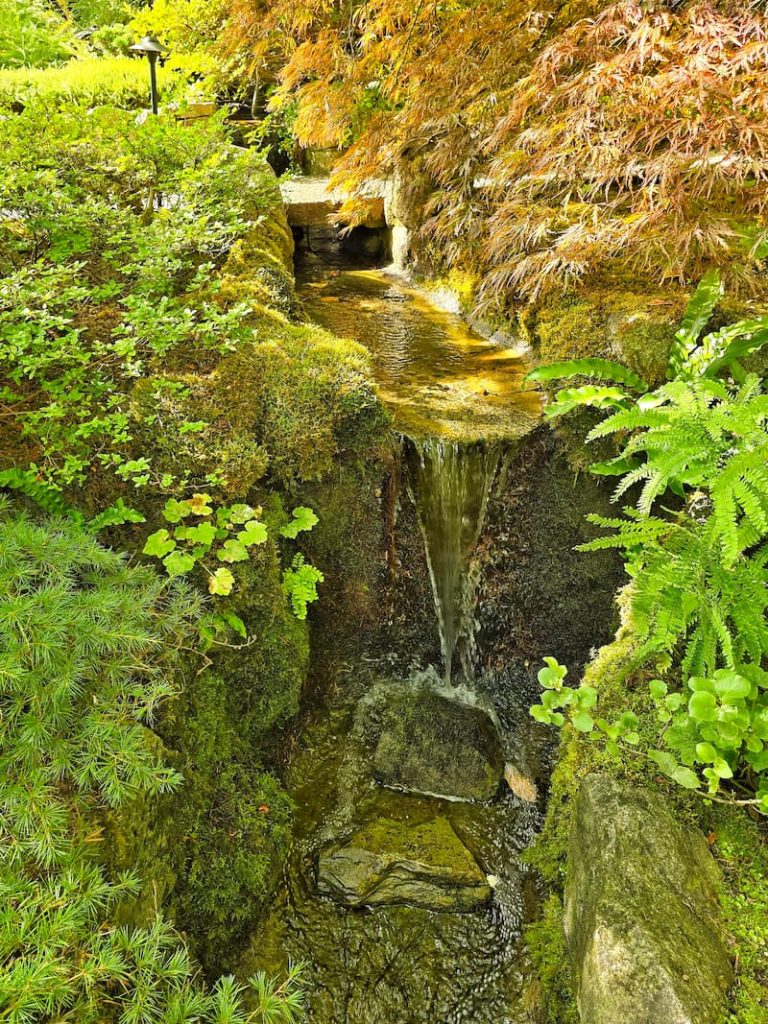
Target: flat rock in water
x=389 y=862
x=641 y=914
x=423 y=742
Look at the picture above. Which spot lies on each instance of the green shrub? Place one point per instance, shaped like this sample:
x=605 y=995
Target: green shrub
x=123 y=81
x=89 y=655
x=31 y=35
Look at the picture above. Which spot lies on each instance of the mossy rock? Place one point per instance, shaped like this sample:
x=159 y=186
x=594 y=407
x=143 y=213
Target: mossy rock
x=389 y=862
x=423 y=742
x=636 y=328
x=641 y=913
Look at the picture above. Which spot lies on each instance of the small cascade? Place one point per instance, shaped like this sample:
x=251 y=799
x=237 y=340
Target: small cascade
x=451 y=484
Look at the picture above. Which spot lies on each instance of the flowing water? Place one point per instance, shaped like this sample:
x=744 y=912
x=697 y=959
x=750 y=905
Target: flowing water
x=451 y=486
x=437 y=377
x=458 y=402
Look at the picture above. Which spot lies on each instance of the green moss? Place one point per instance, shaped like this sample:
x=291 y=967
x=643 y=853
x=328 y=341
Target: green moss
x=741 y=847
x=570 y=329
x=308 y=397
x=235 y=824
x=233 y=815
x=545 y=940
x=634 y=328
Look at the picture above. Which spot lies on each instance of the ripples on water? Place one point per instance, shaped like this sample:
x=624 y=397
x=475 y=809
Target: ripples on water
x=438 y=377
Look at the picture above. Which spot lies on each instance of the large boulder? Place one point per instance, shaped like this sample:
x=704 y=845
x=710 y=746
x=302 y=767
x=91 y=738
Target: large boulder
x=390 y=862
x=422 y=742
x=641 y=914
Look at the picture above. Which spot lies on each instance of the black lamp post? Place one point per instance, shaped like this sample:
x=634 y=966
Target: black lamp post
x=152 y=49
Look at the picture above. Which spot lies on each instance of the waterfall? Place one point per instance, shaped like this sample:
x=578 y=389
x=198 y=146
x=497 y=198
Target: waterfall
x=451 y=484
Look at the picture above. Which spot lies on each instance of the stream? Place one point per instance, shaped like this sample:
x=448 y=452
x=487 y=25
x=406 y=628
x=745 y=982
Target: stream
x=405 y=892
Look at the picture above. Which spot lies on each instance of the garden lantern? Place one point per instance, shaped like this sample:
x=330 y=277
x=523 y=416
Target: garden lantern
x=152 y=49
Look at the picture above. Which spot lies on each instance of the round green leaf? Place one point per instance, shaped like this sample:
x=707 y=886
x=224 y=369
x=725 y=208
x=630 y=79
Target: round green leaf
x=685 y=777
x=254 y=533
x=159 y=544
x=232 y=551
x=731 y=687
x=583 y=722
x=221 y=582
x=178 y=563
x=702 y=706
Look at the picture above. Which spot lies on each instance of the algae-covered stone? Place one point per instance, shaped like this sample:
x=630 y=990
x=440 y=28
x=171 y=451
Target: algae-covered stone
x=390 y=862
x=641 y=914
x=423 y=742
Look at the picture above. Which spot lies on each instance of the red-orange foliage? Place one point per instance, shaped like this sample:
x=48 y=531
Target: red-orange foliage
x=560 y=140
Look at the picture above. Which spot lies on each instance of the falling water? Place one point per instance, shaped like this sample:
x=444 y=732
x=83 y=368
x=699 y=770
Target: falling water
x=452 y=483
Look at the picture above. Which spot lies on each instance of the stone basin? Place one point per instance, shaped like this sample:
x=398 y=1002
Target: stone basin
x=391 y=862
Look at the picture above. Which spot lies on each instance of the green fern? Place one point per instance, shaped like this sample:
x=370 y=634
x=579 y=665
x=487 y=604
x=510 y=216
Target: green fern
x=300 y=585
x=701 y=435
x=685 y=602
x=592 y=395
x=598 y=369
x=697 y=313
x=724 y=349
x=115 y=515
x=48 y=498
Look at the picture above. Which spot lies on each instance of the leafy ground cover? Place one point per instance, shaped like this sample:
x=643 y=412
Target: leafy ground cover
x=148 y=350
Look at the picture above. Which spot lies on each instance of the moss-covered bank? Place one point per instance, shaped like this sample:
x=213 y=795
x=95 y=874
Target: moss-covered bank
x=738 y=842
x=290 y=416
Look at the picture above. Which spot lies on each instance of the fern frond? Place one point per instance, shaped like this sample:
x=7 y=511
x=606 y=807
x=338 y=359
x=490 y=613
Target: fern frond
x=598 y=369
x=697 y=313
x=589 y=395
x=721 y=350
x=47 y=497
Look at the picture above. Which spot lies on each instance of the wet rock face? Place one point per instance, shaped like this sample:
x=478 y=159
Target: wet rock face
x=388 y=862
x=641 y=914
x=423 y=742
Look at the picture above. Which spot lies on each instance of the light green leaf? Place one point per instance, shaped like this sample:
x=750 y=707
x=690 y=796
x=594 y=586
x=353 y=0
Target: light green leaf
x=303 y=519
x=221 y=582
x=583 y=722
x=702 y=706
x=706 y=752
x=254 y=533
x=178 y=563
x=686 y=778
x=204 y=533
x=232 y=551
x=598 y=369
x=235 y=623
x=658 y=689
x=159 y=544
x=174 y=511
x=666 y=761
x=241 y=514
x=731 y=687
